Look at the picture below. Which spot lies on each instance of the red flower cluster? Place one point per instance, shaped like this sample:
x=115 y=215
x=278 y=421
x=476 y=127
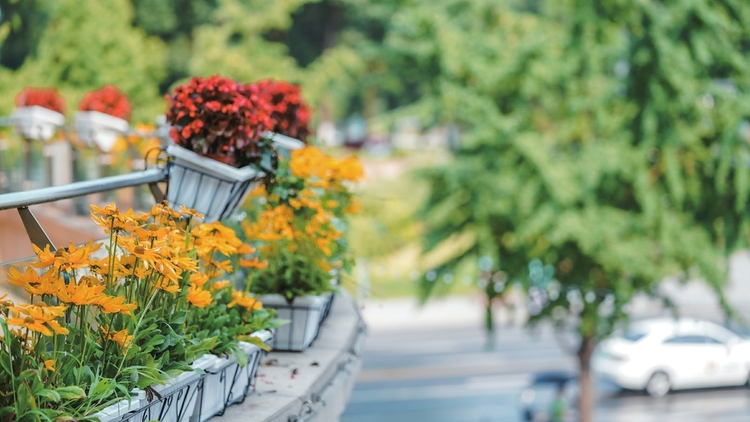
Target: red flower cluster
x=109 y=100
x=219 y=118
x=289 y=113
x=42 y=97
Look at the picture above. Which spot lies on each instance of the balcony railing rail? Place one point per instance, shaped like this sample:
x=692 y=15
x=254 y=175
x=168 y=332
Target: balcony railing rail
x=22 y=200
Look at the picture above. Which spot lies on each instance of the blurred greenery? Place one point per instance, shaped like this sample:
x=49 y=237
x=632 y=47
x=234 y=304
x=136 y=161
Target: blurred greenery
x=602 y=148
x=147 y=46
x=385 y=237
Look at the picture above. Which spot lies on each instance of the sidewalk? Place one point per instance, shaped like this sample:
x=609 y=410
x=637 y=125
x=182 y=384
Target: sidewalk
x=693 y=299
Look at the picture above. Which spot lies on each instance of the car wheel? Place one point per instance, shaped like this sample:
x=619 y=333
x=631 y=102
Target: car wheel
x=658 y=385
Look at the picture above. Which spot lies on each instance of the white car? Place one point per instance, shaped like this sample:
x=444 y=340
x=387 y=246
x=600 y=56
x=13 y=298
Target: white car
x=665 y=354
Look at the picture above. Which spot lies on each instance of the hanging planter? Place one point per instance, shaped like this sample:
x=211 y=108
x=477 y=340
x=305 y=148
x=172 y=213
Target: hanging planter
x=102 y=117
x=38 y=114
x=99 y=129
x=212 y=188
x=284 y=144
x=216 y=125
x=305 y=316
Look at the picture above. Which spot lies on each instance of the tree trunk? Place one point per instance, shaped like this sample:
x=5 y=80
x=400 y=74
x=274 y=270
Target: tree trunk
x=586 y=394
x=489 y=325
x=489 y=320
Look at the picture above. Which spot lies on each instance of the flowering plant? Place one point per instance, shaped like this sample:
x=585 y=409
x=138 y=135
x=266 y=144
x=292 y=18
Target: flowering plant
x=221 y=310
x=219 y=118
x=290 y=115
x=99 y=323
x=42 y=97
x=108 y=100
x=299 y=224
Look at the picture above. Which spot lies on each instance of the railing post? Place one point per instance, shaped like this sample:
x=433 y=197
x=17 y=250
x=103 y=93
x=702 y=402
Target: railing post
x=37 y=235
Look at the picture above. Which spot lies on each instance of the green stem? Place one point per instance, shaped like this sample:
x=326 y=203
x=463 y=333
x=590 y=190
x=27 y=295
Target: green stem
x=135 y=331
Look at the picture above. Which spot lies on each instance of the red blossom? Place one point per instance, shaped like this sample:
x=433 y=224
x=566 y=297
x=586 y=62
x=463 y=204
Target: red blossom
x=107 y=99
x=219 y=118
x=42 y=97
x=289 y=112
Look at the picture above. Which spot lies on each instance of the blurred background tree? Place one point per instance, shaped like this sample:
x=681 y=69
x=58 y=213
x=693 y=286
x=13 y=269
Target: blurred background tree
x=147 y=46
x=601 y=153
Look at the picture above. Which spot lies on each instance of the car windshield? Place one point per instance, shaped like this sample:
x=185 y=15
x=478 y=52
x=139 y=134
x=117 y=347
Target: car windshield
x=632 y=335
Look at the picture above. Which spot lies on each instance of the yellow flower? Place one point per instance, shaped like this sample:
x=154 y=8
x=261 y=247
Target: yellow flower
x=190 y=212
x=216 y=237
x=223 y=284
x=148 y=256
x=151 y=232
x=349 y=169
x=168 y=285
x=179 y=260
x=253 y=263
x=222 y=266
x=49 y=364
x=248 y=302
x=198 y=297
x=122 y=337
x=87 y=292
x=115 y=304
x=245 y=249
x=66 y=259
x=112 y=219
x=46 y=284
x=39 y=318
x=198 y=279
x=109 y=210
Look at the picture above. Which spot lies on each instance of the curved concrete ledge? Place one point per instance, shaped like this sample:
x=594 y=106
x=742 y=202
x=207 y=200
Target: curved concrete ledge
x=314 y=385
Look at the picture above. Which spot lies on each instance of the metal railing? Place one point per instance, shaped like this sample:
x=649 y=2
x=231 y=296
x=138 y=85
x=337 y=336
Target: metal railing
x=22 y=200
x=150 y=176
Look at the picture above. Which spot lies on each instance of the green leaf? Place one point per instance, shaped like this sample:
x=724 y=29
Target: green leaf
x=71 y=392
x=51 y=395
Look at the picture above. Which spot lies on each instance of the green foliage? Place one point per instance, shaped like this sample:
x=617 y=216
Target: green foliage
x=292 y=273
x=86 y=45
x=601 y=147
x=24 y=22
x=226 y=323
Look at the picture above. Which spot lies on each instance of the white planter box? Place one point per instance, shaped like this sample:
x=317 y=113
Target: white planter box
x=254 y=356
x=179 y=397
x=99 y=129
x=305 y=314
x=212 y=188
x=283 y=141
x=117 y=411
x=35 y=122
x=327 y=306
x=227 y=383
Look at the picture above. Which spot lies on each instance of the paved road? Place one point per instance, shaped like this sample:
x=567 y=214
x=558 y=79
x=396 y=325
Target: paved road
x=432 y=363
x=419 y=374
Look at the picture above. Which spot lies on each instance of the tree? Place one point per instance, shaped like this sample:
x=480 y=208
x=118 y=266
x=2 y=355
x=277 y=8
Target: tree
x=601 y=149
x=88 y=44
x=25 y=21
